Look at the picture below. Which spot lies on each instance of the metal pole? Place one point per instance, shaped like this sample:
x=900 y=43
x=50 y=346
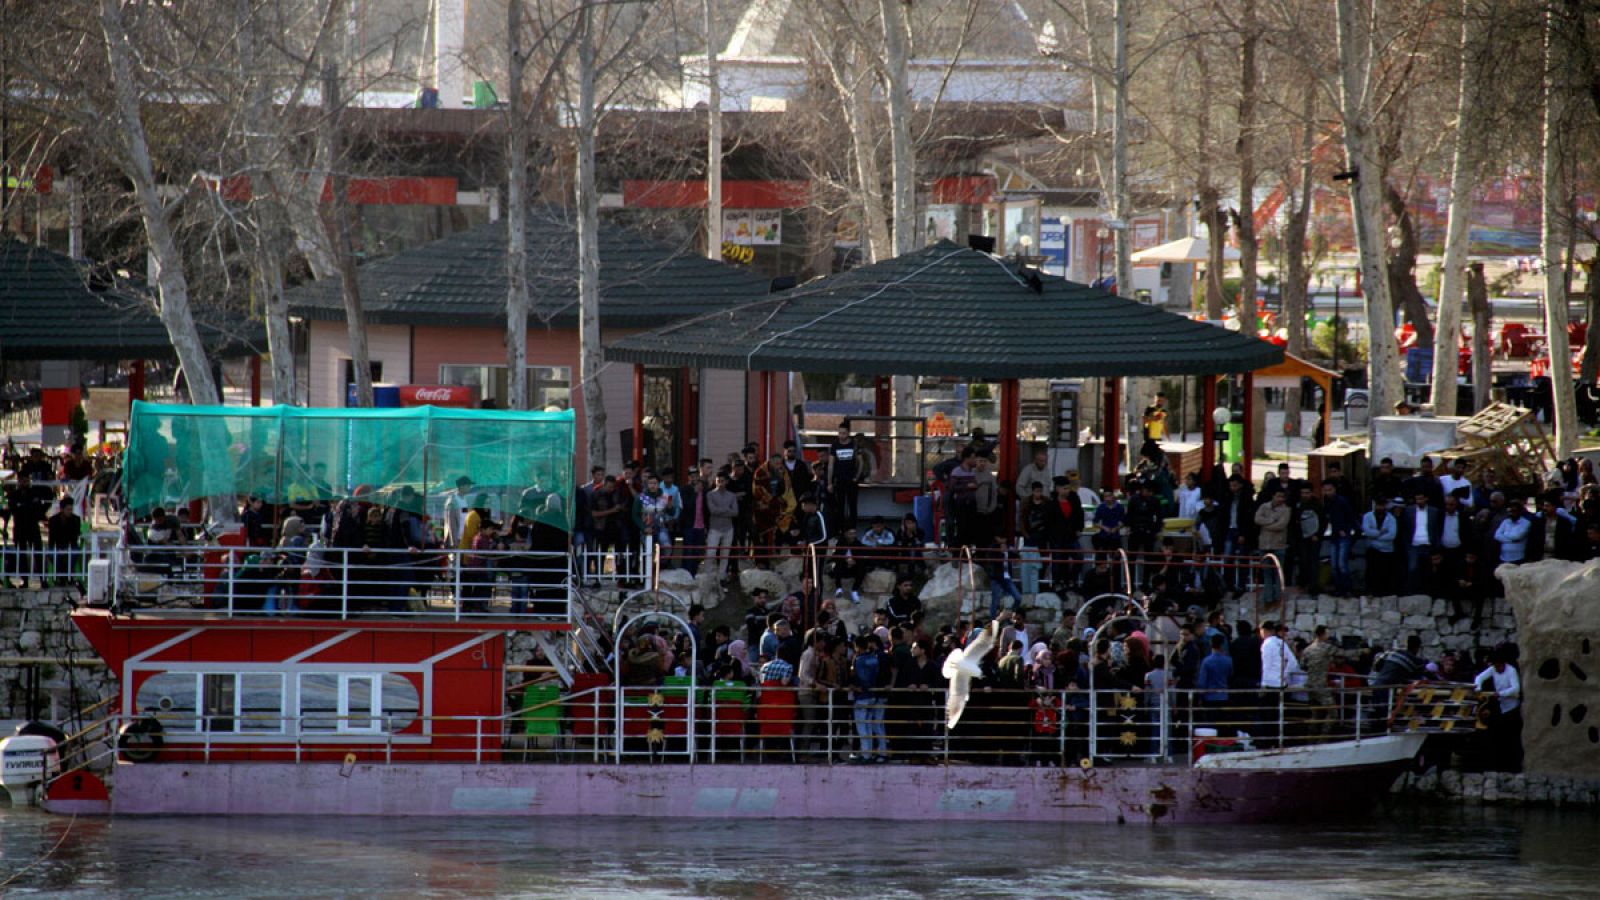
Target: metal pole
x=344 y=584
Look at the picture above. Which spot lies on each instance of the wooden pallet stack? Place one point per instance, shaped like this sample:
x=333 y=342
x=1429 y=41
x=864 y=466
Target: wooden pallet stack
x=1506 y=440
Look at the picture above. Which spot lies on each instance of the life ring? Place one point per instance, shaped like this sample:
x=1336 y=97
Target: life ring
x=140 y=740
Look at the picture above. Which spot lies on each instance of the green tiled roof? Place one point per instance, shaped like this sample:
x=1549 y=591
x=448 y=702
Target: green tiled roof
x=51 y=309
x=461 y=279
x=946 y=310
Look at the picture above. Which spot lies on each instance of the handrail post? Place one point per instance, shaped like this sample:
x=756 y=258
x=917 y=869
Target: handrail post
x=1281 y=694
x=1094 y=723
x=1061 y=721
x=228 y=565
x=1127 y=571
x=828 y=732
x=455 y=569
x=344 y=584
x=1359 y=714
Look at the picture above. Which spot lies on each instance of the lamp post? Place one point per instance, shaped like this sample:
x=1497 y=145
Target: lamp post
x=1338 y=281
x=1220 y=417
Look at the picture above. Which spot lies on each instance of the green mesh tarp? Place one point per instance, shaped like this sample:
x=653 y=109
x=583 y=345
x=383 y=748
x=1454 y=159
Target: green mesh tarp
x=286 y=454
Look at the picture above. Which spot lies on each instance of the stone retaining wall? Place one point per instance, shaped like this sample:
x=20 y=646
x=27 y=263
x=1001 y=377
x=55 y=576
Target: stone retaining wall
x=1500 y=789
x=34 y=625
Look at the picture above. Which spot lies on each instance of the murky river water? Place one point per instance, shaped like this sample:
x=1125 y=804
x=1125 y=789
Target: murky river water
x=1402 y=851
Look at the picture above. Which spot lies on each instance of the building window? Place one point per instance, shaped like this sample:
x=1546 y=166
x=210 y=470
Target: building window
x=548 y=386
x=171 y=698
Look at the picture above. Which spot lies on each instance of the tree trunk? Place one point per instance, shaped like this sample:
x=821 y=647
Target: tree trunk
x=516 y=216
x=171 y=282
x=874 y=234
x=713 y=136
x=1463 y=179
x=1403 y=268
x=337 y=225
x=1297 y=275
x=1245 y=146
x=1121 y=203
x=1216 y=248
x=590 y=351
x=1591 y=315
x=1555 y=184
x=271 y=235
x=1482 y=363
x=1355 y=60
x=897 y=84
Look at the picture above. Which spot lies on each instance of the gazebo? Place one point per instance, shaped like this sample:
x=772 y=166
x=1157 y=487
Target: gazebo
x=53 y=309
x=947 y=310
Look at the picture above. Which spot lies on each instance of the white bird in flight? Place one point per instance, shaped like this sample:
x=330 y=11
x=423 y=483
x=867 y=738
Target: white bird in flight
x=963 y=665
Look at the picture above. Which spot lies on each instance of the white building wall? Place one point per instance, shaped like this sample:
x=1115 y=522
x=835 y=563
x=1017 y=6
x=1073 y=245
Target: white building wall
x=329 y=348
x=722 y=413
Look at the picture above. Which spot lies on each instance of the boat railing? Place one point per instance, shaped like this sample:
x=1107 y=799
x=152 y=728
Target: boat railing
x=734 y=723
x=325 y=582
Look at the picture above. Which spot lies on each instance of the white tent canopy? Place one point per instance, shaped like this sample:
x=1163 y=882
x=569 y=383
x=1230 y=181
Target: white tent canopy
x=1189 y=249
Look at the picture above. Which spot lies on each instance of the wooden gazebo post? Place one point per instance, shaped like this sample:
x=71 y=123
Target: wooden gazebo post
x=1249 y=444
x=136 y=381
x=1208 y=428
x=1113 y=428
x=638 y=413
x=1010 y=418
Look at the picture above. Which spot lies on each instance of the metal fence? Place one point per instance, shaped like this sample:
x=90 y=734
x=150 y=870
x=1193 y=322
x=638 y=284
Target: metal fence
x=340 y=583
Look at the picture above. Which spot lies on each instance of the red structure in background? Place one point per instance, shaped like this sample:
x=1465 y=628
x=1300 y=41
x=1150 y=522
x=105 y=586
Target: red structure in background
x=268 y=689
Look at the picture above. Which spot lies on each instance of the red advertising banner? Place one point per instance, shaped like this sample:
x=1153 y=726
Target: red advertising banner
x=458 y=395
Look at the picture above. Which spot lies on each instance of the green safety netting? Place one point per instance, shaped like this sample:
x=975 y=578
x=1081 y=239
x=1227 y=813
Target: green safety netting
x=286 y=454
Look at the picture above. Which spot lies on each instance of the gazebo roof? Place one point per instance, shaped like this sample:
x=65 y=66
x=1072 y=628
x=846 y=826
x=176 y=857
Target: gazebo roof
x=461 y=279
x=50 y=308
x=947 y=310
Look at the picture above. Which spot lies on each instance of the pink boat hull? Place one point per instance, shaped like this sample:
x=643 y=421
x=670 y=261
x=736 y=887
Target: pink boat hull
x=1175 y=794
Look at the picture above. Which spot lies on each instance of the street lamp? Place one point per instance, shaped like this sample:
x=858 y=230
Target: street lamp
x=1338 y=282
x=1220 y=417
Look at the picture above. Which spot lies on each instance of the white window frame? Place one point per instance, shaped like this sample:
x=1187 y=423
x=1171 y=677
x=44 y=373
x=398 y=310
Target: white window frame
x=375 y=703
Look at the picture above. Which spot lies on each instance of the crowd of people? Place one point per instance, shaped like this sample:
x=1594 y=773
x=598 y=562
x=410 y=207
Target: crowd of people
x=880 y=693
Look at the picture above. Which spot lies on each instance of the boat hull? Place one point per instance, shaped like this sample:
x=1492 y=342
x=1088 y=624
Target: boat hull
x=1155 y=794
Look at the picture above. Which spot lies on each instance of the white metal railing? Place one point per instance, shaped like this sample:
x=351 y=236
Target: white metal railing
x=340 y=583
x=47 y=566
x=619 y=565
x=733 y=722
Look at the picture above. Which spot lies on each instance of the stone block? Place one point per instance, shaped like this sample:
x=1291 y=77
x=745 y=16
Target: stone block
x=790 y=567
x=1349 y=606
x=878 y=581
x=750 y=579
x=1047 y=600
x=1418 y=621
x=676 y=580
x=1416 y=605
x=29 y=641
x=1390 y=617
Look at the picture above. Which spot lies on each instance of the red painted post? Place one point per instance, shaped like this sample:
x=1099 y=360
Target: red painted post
x=638 y=412
x=1208 y=428
x=1113 y=429
x=688 y=423
x=764 y=427
x=1249 y=431
x=255 y=380
x=1010 y=416
x=136 y=381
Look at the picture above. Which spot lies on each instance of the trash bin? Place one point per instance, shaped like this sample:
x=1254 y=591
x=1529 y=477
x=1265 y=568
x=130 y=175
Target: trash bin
x=1235 y=446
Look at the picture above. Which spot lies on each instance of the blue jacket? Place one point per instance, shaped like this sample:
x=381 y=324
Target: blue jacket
x=1379 y=538
x=866 y=676
x=1216 y=671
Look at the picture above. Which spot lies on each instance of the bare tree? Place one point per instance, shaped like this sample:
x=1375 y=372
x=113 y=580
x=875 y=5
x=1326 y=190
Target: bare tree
x=133 y=154
x=1555 y=162
x=1464 y=167
x=587 y=200
x=713 y=134
x=1245 y=225
x=1357 y=83
x=516 y=215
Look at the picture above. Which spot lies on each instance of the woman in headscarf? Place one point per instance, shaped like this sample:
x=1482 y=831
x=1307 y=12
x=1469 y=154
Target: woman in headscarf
x=738 y=651
x=1041 y=667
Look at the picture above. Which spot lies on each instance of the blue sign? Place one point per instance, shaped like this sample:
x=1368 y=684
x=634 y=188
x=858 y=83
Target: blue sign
x=1054 y=243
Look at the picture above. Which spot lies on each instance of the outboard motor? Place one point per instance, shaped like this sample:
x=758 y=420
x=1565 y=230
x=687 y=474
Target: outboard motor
x=27 y=759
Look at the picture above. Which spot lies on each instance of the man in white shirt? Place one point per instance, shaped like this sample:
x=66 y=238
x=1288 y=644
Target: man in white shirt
x=1278 y=670
x=810 y=711
x=455 y=511
x=1456 y=481
x=1505 y=729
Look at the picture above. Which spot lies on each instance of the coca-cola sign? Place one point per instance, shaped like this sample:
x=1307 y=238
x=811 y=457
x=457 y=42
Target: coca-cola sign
x=464 y=396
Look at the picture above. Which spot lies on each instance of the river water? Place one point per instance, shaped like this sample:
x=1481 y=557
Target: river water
x=1410 y=851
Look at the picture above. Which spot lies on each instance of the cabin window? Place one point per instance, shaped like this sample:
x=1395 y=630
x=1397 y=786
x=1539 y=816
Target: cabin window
x=319 y=702
x=356 y=703
x=172 y=698
x=261 y=703
x=400 y=703
x=219 y=695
